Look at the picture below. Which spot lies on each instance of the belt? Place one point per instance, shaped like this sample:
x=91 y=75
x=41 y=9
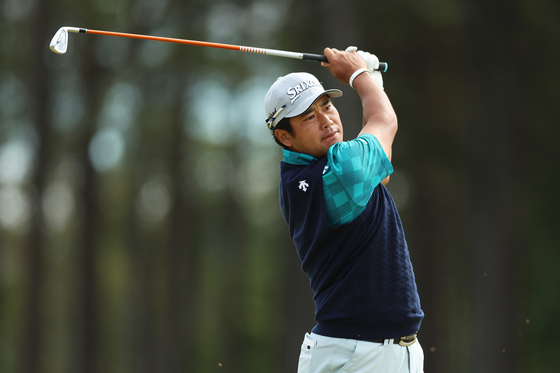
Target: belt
x=402 y=341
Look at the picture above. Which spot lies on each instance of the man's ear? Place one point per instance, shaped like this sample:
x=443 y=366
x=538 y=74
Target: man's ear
x=284 y=137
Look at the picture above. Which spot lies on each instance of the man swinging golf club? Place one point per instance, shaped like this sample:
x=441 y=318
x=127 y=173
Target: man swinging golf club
x=344 y=223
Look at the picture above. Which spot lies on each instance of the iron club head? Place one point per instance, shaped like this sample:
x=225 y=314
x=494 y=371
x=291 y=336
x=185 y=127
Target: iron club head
x=59 y=42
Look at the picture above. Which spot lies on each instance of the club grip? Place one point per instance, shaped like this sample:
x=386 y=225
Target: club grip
x=383 y=66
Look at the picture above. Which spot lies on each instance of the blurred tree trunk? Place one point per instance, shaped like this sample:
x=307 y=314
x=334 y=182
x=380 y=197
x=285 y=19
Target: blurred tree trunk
x=88 y=303
x=35 y=256
x=493 y=158
x=143 y=318
x=231 y=260
x=141 y=337
x=177 y=267
x=182 y=258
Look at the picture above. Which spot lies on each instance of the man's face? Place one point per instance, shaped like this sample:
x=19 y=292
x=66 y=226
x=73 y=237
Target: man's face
x=314 y=131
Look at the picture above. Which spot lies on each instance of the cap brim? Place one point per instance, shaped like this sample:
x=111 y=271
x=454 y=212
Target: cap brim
x=304 y=105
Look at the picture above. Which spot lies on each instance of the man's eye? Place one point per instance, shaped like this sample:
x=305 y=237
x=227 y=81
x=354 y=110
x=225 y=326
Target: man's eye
x=309 y=118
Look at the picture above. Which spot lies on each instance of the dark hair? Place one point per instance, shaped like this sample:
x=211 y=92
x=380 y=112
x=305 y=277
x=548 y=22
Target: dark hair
x=285 y=125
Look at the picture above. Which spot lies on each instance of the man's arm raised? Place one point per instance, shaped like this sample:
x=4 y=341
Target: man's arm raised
x=380 y=119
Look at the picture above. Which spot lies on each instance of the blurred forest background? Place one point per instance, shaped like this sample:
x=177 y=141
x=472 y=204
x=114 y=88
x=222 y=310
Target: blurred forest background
x=140 y=229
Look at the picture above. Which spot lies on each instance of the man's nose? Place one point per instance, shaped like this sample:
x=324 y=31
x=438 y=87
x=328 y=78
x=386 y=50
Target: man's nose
x=325 y=120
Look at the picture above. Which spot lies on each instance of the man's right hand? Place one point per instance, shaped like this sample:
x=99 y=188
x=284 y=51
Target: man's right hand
x=342 y=64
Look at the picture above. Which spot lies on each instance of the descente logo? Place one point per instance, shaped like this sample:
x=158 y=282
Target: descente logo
x=295 y=92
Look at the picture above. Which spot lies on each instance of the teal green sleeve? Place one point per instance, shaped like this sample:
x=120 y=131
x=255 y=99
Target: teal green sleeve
x=354 y=168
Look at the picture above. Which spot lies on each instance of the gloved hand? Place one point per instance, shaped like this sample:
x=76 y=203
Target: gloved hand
x=372 y=63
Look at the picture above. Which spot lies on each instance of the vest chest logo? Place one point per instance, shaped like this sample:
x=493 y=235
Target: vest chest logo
x=303 y=185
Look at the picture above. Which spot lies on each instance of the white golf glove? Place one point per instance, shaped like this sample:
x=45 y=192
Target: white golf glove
x=372 y=64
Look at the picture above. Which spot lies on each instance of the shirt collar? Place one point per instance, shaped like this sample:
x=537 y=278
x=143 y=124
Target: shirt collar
x=298 y=159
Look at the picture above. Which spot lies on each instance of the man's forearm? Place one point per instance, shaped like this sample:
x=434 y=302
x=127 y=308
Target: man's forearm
x=380 y=119
x=377 y=108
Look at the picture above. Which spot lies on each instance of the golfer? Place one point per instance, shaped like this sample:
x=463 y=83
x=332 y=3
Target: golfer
x=344 y=223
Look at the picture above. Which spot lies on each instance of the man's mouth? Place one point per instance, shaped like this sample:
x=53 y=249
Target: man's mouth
x=330 y=135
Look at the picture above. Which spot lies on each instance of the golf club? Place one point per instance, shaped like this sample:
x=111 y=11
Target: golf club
x=59 y=44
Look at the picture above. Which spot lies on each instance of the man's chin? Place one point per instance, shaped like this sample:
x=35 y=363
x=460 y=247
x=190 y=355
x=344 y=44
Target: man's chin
x=331 y=140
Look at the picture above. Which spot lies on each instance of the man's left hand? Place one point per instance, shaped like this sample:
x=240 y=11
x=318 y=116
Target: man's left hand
x=372 y=63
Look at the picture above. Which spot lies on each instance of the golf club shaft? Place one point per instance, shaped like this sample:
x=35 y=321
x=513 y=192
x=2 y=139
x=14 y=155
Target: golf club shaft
x=271 y=52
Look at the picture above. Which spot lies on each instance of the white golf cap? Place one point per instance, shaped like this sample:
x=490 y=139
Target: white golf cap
x=292 y=95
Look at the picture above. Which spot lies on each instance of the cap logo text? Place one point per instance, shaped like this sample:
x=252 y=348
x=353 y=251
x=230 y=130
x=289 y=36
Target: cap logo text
x=295 y=92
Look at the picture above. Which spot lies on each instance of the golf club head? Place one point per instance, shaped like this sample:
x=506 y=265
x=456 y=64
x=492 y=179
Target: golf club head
x=59 y=42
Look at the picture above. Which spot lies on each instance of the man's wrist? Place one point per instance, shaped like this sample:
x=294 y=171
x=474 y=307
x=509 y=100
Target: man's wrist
x=356 y=74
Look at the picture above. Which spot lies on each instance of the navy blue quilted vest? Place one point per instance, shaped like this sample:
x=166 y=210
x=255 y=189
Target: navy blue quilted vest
x=360 y=272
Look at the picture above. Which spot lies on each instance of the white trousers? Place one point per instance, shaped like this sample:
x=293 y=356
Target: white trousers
x=320 y=354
